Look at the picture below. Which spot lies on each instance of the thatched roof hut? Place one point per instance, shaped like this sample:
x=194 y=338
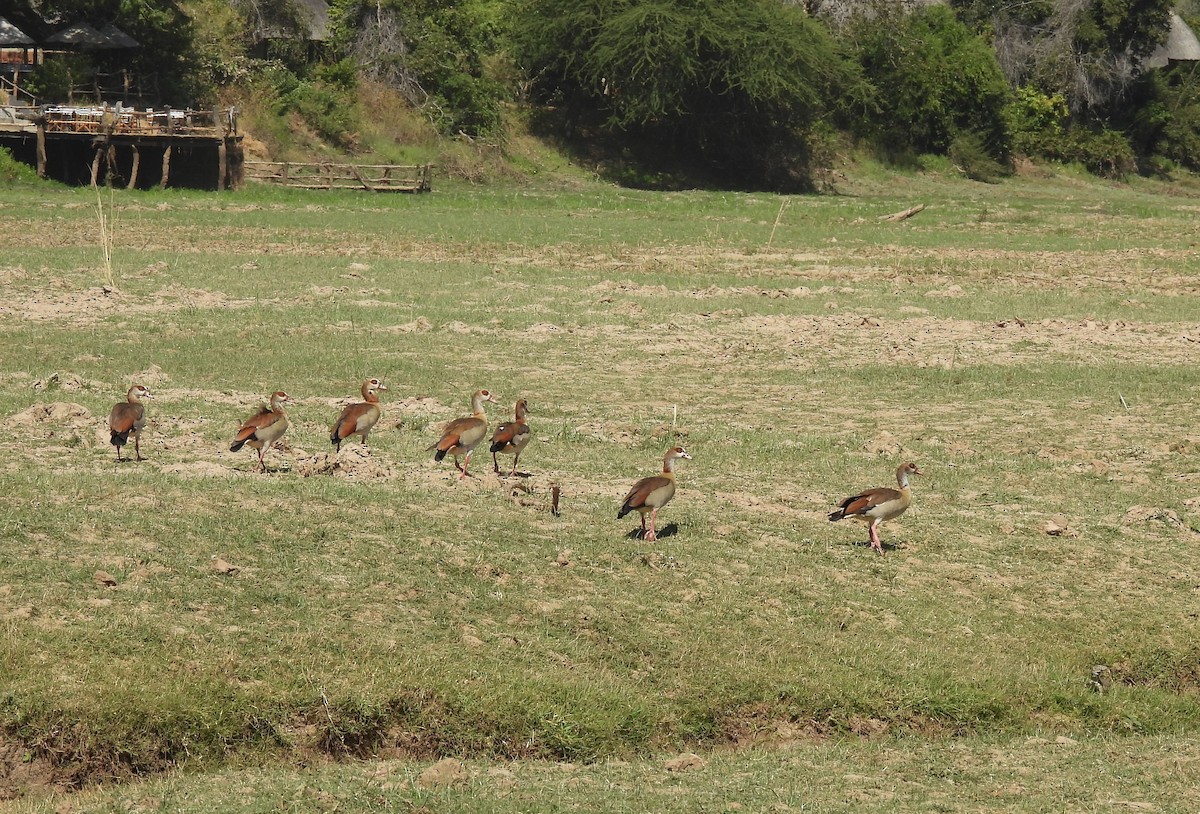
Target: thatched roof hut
x=1181 y=46
x=13 y=37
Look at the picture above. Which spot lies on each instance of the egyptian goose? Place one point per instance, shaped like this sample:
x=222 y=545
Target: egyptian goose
x=462 y=435
x=511 y=437
x=127 y=418
x=651 y=494
x=264 y=428
x=875 y=506
x=360 y=418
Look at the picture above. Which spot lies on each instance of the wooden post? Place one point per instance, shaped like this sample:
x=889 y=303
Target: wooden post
x=137 y=159
x=166 y=171
x=222 y=165
x=41 y=148
x=96 y=163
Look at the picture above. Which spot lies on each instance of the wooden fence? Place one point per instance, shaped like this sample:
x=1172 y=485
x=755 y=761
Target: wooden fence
x=373 y=177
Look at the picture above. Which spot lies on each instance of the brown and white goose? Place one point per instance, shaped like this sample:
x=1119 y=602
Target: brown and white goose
x=511 y=437
x=127 y=418
x=462 y=435
x=358 y=418
x=875 y=506
x=264 y=428
x=652 y=493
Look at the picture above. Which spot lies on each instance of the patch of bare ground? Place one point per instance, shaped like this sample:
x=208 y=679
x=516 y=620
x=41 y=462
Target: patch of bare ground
x=93 y=304
x=23 y=773
x=852 y=340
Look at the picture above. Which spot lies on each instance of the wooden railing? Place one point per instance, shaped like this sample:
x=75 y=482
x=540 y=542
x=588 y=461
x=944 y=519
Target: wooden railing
x=16 y=95
x=130 y=122
x=373 y=177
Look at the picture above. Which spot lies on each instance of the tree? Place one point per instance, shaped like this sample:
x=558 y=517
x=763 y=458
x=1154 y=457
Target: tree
x=936 y=80
x=1090 y=51
x=165 y=56
x=735 y=84
x=433 y=51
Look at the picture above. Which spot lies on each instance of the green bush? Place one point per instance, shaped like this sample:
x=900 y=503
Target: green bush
x=1167 y=125
x=434 y=52
x=52 y=81
x=329 y=109
x=971 y=157
x=1036 y=121
x=13 y=172
x=1104 y=152
x=733 y=85
x=935 y=81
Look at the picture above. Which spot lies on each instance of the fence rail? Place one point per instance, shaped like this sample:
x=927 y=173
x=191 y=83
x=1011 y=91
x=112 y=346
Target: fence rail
x=373 y=177
x=131 y=122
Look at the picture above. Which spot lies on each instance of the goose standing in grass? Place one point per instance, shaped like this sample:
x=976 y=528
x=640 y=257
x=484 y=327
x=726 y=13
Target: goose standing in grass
x=462 y=435
x=876 y=506
x=264 y=428
x=511 y=437
x=127 y=418
x=652 y=493
x=358 y=418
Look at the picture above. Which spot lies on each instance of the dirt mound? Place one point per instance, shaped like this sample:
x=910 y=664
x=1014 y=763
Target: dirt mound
x=351 y=462
x=51 y=419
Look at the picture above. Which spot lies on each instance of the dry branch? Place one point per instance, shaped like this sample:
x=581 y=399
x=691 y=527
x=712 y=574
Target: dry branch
x=906 y=214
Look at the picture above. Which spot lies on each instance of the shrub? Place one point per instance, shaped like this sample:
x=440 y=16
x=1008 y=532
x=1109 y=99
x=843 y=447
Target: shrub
x=13 y=172
x=733 y=85
x=327 y=108
x=1167 y=124
x=1104 y=152
x=935 y=80
x=1035 y=121
x=433 y=52
x=971 y=157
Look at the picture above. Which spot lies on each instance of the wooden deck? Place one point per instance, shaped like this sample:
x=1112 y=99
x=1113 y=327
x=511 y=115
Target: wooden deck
x=326 y=175
x=114 y=140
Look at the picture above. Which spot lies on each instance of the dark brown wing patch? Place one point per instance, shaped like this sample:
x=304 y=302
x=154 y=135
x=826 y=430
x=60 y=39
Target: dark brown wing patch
x=865 y=501
x=640 y=492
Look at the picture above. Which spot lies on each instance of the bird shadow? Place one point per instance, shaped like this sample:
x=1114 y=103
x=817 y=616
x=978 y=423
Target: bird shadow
x=867 y=544
x=506 y=475
x=669 y=530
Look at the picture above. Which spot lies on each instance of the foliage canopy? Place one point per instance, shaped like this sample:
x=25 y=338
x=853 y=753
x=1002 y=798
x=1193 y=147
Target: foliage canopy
x=733 y=83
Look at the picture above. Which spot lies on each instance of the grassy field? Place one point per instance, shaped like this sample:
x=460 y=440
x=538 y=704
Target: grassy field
x=1027 y=643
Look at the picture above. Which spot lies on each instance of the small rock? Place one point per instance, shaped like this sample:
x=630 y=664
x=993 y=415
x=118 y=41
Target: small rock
x=104 y=578
x=685 y=762
x=1057 y=527
x=222 y=567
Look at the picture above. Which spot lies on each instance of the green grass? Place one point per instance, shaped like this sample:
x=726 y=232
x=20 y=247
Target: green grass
x=1030 y=344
